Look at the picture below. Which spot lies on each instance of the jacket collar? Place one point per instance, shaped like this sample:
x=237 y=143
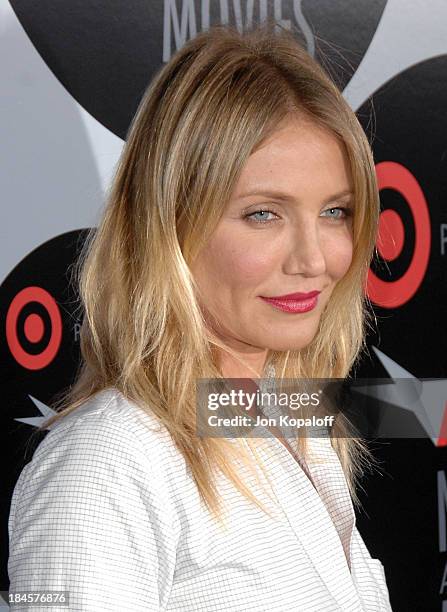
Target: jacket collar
x=321 y=516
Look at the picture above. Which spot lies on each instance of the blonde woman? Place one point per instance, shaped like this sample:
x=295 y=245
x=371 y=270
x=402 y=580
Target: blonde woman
x=245 y=177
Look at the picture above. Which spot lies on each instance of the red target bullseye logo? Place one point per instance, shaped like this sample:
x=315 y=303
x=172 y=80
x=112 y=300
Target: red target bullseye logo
x=391 y=236
x=33 y=328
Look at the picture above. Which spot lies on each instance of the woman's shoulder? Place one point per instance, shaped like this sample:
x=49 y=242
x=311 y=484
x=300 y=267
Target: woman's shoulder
x=98 y=509
x=106 y=449
x=108 y=408
x=108 y=429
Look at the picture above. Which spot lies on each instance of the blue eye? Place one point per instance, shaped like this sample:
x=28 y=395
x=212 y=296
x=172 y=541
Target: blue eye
x=263 y=219
x=264 y=212
x=347 y=212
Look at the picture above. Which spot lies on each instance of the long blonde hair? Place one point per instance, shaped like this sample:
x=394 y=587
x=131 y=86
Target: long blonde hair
x=218 y=98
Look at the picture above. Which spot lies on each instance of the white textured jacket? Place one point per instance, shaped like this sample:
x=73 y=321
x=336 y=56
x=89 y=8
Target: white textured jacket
x=108 y=511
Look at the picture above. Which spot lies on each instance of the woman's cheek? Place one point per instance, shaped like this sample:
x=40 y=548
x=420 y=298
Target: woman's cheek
x=242 y=260
x=339 y=257
x=250 y=266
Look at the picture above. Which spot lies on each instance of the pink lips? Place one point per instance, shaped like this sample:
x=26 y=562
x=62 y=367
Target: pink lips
x=294 y=302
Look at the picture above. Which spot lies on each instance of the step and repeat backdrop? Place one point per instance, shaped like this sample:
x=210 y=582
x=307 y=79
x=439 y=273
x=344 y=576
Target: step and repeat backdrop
x=72 y=75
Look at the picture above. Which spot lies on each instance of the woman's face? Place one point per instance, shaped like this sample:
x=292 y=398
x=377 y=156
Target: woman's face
x=300 y=242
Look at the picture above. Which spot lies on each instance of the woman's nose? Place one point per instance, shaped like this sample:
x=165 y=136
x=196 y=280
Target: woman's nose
x=305 y=254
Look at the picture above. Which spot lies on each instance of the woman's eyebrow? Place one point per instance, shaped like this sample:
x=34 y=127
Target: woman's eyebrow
x=281 y=195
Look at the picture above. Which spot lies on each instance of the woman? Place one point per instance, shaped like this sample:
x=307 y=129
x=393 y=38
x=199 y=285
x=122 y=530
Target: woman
x=245 y=176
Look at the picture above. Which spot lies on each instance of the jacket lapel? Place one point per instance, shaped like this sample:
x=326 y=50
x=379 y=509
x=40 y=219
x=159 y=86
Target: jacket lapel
x=311 y=514
x=332 y=487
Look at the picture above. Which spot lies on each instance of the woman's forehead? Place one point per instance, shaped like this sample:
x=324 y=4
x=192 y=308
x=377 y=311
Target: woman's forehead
x=294 y=166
